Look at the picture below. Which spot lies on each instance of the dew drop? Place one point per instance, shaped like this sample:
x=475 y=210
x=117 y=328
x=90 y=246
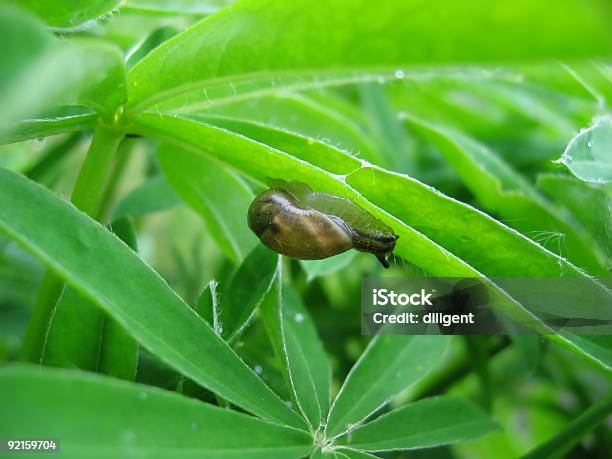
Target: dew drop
x=143 y=396
x=589 y=144
x=258 y=369
x=399 y=74
x=299 y=317
x=194 y=426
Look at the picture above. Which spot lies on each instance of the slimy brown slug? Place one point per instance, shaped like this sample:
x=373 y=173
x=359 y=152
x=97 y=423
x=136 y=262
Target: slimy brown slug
x=293 y=220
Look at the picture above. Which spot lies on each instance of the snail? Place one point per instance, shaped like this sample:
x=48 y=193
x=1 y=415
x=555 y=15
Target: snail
x=293 y=220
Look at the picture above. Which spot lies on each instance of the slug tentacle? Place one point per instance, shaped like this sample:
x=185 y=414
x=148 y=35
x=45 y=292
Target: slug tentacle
x=297 y=222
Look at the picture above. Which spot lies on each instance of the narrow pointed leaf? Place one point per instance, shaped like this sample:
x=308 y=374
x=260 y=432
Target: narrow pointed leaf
x=81 y=335
x=76 y=72
x=207 y=306
x=439 y=234
x=59 y=121
x=221 y=198
x=355 y=454
x=349 y=34
x=504 y=192
x=298 y=113
x=422 y=424
x=247 y=289
x=173 y=7
x=297 y=346
x=319 y=268
x=93 y=416
x=308 y=360
x=588 y=203
x=94 y=262
x=118 y=350
x=69 y=14
x=389 y=365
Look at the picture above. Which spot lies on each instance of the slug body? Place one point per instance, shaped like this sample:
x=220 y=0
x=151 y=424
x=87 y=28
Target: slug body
x=299 y=223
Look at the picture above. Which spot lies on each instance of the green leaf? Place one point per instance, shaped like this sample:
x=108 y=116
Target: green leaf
x=320 y=268
x=63 y=346
x=297 y=347
x=298 y=113
x=587 y=156
x=349 y=34
x=595 y=78
x=220 y=197
x=118 y=355
x=172 y=7
x=310 y=150
x=25 y=45
x=48 y=167
x=69 y=14
x=246 y=290
x=596 y=348
x=589 y=204
x=354 y=454
x=503 y=191
x=67 y=406
x=207 y=306
x=423 y=424
x=93 y=261
x=153 y=195
x=387 y=127
x=465 y=231
x=389 y=365
x=59 y=121
x=308 y=361
x=155 y=38
x=453 y=239
x=104 y=347
x=78 y=71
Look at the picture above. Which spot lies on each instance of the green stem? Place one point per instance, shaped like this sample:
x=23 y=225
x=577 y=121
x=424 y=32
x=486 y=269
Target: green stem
x=94 y=173
x=575 y=430
x=86 y=196
x=121 y=162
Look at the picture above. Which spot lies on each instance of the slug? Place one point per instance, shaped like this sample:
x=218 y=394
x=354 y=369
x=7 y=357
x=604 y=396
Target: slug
x=293 y=220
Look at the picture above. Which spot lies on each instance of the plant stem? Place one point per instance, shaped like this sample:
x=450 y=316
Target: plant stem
x=122 y=158
x=575 y=430
x=86 y=196
x=89 y=186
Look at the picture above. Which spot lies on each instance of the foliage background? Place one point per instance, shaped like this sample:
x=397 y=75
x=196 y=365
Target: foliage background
x=135 y=135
